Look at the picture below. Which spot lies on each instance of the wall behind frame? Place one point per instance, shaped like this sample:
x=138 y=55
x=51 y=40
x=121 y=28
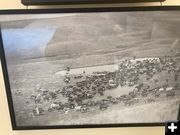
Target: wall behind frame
x=16 y=4
x=5 y=124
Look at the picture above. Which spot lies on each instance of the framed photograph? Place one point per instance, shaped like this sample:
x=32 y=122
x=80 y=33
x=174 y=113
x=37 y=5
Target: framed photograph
x=54 y=2
x=88 y=68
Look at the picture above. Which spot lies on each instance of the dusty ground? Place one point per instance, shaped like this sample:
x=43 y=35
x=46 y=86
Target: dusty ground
x=42 y=76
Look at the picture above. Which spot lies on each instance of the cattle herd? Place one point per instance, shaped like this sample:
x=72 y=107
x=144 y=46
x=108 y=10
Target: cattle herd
x=149 y=79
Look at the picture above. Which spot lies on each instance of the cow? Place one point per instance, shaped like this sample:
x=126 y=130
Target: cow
x=170 y=93
x=77 y=108
x=78 y=76
x=38 y=111
x=54 y=105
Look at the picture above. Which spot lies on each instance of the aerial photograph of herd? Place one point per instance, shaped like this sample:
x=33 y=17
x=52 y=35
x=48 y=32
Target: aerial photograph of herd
x=93 y=68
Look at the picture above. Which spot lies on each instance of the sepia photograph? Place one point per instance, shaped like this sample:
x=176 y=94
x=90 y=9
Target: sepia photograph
x=93 y=68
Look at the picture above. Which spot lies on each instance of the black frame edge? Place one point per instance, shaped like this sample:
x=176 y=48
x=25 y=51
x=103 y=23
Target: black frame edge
x=75 y=2
x=70 y=10
x=6 y=83
x=89 y=10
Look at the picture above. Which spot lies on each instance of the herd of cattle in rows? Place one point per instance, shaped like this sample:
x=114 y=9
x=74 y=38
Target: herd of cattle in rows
x=80 y=94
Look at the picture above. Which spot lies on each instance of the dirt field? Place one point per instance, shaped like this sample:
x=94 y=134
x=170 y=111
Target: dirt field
x=116 y=113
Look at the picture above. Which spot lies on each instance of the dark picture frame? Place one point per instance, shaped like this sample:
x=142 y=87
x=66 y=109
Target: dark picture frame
x=54 y=2
x=59 y=11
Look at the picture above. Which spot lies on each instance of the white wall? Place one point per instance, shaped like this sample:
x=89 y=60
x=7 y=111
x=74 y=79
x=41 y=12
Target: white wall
x=5 y=125
x=16 y=4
